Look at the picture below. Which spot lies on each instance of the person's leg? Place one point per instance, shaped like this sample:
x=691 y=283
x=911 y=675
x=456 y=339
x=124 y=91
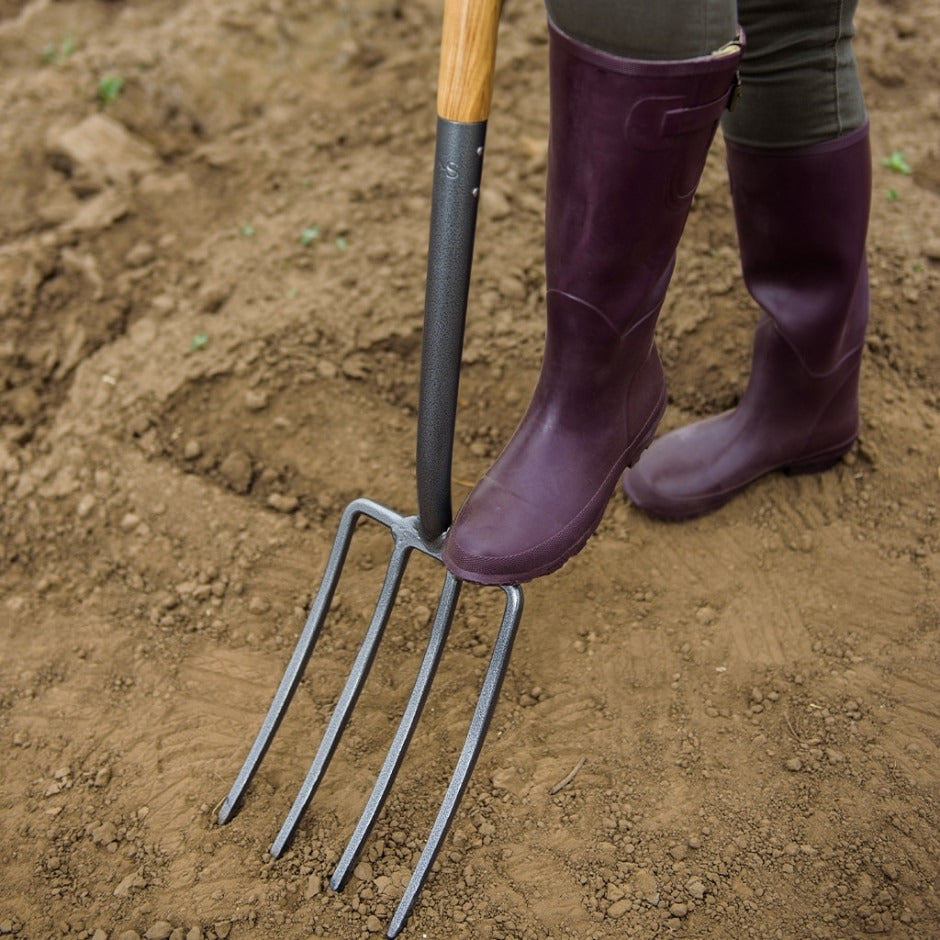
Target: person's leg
x=627 y=142
x=800 y=81
x=634 y=30
x=800 y=170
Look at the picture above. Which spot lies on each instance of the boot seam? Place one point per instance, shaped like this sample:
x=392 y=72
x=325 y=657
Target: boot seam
x=620 y=332
x=840 y=363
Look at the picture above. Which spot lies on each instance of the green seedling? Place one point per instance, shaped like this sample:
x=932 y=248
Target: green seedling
x=59 y=53
x=897 y=163
x=309 y=234
x=247 y=230
x=109 y=87
x=200 y=341
x=893 y=195
x=341 y=243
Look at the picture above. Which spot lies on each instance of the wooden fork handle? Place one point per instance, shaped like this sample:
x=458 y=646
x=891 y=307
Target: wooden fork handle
x=468 y=55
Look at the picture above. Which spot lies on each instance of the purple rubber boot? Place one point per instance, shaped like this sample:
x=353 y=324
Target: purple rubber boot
x=802 y=219
x=627 y=144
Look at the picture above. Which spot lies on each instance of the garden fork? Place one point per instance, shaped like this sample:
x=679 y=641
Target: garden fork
x=468 y=49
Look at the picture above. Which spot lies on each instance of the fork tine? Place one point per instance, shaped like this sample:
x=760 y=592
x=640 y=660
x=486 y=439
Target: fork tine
x=396 y=752
x=486 y=703
x=298 y=662
x=407 y=537
x=349 y=695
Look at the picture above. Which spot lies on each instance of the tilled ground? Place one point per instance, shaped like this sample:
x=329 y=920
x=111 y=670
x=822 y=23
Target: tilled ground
x=212 y=256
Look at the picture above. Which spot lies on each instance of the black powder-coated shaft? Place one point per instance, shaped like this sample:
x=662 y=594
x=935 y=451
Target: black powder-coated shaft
x=458 y=169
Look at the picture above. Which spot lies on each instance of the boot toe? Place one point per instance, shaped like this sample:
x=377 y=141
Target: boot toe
x=675 y=480
x=493 y=537
x=500 y=537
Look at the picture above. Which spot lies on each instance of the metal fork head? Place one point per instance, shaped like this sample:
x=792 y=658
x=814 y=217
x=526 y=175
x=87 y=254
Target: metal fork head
x=407 y=538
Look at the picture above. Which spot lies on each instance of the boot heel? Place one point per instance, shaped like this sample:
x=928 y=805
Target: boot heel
x=648 y=431
x=818 y=462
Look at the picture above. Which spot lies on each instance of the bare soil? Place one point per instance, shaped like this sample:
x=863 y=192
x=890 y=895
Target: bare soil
x=211 y=290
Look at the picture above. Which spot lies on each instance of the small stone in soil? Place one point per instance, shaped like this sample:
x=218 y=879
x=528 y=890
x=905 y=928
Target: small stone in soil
x=161 y=930
x=283 y=502
x=256 y=400
x=237 y=470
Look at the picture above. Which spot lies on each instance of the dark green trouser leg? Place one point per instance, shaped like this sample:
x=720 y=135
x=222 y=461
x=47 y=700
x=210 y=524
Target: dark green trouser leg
x=799 y=78
x=647 y=29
